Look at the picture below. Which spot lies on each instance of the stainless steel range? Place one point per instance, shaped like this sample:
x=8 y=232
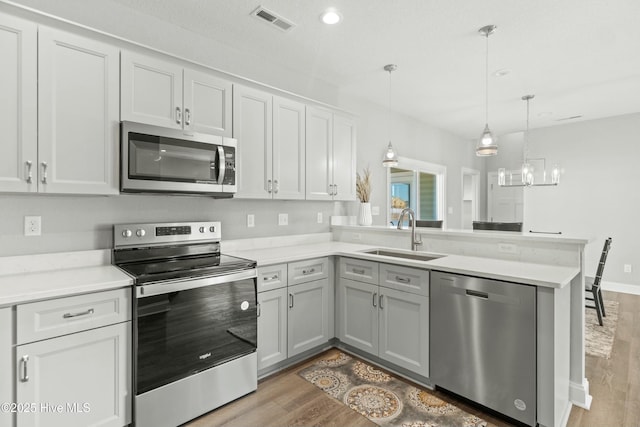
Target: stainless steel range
x=195 y=324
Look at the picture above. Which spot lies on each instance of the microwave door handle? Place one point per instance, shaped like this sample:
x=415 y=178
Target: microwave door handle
x=223 y=166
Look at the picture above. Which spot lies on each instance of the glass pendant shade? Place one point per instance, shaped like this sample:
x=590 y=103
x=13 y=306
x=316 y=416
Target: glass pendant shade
x=390 y=158
x=487 y=143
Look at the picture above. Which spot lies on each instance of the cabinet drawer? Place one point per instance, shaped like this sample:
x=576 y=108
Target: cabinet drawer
x=359 y=269
x=272 y=277
x=405 y=279
x=47 y=319
x=308 y=270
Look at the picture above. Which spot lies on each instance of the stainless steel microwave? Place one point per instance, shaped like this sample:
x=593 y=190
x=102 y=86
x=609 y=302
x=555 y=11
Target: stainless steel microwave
x=154 y=159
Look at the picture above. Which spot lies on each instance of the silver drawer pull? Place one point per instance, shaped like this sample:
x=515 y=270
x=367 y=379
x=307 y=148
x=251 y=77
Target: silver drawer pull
x=403 y=279
x=268 y=279
x=25 y=375
x=84 y=313
x=358 y=271
x=309 y=271
x=29 y=174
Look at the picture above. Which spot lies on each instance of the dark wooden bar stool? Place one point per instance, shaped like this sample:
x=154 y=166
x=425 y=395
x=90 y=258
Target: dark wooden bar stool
x=593 y=286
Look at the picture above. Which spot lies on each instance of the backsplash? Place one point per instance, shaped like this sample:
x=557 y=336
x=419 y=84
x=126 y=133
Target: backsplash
x=74 y=223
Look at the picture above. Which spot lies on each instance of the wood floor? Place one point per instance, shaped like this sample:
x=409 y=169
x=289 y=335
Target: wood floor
x=285 y=399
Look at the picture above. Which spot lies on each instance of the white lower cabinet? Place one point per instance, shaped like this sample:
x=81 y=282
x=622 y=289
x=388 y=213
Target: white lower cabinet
x=297 y=315
x=73 y=361
x=385 y=322
x=272 y=327
x=6 y=364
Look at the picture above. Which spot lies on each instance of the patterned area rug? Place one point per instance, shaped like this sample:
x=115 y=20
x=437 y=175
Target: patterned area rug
x=599 y=339
x=385 y=400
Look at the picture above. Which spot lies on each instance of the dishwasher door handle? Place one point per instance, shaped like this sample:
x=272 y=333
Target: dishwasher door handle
x=471 y=293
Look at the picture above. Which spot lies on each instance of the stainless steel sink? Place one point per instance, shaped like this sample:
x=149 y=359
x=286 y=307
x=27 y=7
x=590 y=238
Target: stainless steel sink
x=407 y=255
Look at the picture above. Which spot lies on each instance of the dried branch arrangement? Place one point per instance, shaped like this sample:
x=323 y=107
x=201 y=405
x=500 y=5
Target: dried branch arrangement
x=363 y=185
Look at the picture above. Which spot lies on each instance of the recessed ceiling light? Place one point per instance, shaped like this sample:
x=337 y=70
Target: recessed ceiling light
x=331 y=16
x=501 y=73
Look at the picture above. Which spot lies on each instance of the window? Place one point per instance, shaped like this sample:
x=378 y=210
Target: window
x=416 y=185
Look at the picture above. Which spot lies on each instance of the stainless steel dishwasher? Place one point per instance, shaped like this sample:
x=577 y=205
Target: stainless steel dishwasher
x=483 y=342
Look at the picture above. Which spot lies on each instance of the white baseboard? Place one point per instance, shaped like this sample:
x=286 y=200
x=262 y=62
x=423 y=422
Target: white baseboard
x=624 y=288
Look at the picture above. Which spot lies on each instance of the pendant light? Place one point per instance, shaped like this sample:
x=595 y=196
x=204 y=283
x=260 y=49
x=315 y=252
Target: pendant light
x=487 y=144
x=390 y=158
x=527 y=178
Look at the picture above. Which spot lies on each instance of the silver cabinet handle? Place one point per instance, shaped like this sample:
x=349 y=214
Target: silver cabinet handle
x=276 y=186
x=309 y=271
x=83 y=313
x=380 y=301
x=178 y=115
x=269 y=186
x=44 y=172
x=358 y=271
x=268 y=279
x=374 y=299
x=29 y=175
x=223 y=164
x=331 y=189
x=258 y=308
x=25 y=374
x=187 y=117
x=290 y=300
x=335 y=189
x=403 y=279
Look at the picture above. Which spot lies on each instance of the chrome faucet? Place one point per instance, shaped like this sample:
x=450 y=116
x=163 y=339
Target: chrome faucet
x=412 y=217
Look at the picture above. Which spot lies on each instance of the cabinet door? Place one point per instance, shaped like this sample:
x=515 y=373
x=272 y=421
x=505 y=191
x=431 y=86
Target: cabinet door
x=81 y=379
x=6 y=363
x=288 y=149
x=319 y=180
x=308 y=320
x=404 y=330
x=252 y=127
x=207 y=103
x=358 y=315
x=272 y=327
x=344 y=158
x=77 y=114
x=18 y=104
x=151 y=91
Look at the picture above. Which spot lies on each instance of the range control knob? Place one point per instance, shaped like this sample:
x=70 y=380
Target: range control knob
x=212 y=229
x=126 y=233
x=140 y=232
x=202 y=229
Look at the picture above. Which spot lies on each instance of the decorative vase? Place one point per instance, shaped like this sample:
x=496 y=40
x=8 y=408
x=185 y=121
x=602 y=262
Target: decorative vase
x=364 y=215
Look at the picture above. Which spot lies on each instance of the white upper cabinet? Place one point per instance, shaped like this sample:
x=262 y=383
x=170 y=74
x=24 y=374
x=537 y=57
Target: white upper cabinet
x=163 y=93
x=271 y=145
x=78 y=90
x=331 y=150
x=18 y=104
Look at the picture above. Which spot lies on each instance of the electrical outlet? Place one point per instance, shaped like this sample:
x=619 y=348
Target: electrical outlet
x=283 y=219
x=627 y=268
x=507 y=248
x=356 y=236
x=32 y=225
x=450 y=210
x=320 y=220
x=251 y=220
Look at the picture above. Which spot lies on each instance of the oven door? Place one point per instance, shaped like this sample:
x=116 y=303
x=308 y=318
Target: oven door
x=155 y=159
x=182 y=330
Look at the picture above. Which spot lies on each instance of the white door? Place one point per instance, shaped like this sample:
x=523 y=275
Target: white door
x=207 y=103
x=272 y=327
x=308 y=319
x=319 y=179
x=151 y=91
x=404 y=330
x=82 y=379
x=358 y=315
x=505 y=204
x=18 y=104
x=252 y=127
x=344 y=158
x=288 y=149
x=77 y=114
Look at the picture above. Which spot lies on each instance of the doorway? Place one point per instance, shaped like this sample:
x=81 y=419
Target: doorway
x=470 y=197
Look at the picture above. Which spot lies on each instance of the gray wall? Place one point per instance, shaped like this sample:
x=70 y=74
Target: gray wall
x=597 y=196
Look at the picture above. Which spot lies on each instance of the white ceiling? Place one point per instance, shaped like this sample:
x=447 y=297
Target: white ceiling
x=579 y=57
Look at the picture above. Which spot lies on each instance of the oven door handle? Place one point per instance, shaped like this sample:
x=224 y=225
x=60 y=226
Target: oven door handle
x=160 y=288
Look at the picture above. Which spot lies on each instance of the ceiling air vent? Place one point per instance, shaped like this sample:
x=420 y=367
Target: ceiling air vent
x=269 y=17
